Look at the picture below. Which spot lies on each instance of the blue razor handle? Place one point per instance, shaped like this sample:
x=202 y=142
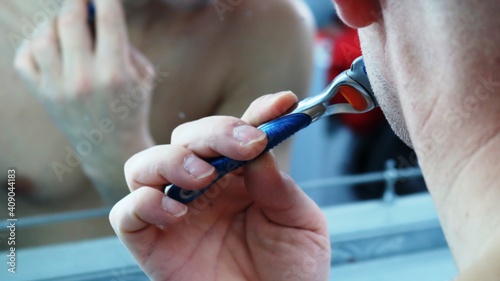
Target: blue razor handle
x=91 y=13
x=91 y=18
x=276 y=130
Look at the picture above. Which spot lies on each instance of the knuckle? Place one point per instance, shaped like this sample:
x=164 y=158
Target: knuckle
x=79 y=87
x=150 y=68
x=178 y=132
x=114 y=217
x=134 y=75
x=68 y=19
x=128 y=168
x=151 y=75
x=113 y=79
x=131 y=171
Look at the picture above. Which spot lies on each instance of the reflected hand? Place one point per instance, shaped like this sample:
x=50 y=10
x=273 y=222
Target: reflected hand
x=86 y=85
x=254 y=224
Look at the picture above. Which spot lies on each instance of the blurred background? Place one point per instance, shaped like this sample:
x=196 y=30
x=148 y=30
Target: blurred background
x=382 y=222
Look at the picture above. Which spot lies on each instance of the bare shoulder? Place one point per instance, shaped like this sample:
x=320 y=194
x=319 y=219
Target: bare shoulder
x=270 y=34
x=269 y=16
x=270 y=43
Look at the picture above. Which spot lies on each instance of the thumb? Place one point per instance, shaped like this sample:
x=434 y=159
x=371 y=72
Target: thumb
x=279 y=198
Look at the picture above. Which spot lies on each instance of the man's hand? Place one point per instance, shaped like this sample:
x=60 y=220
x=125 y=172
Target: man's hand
x=254 y=224
x=97 y=90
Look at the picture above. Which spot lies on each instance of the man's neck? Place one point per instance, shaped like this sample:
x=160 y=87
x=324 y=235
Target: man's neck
x=461 y=164
x=450 y=96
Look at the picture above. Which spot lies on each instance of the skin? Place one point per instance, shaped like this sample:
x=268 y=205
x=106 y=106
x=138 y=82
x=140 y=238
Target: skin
x=256 y=224
x=441 y=93
x=434 y=66
x=186 y=62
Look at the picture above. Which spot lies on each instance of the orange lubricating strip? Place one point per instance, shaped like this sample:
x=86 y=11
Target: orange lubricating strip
x=354 y=97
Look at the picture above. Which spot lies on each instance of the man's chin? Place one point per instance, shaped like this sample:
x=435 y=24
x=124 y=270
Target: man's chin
x=388 y=99
x=399 y=128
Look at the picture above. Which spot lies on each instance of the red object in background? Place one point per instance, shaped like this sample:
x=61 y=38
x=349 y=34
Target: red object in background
x=345 y=49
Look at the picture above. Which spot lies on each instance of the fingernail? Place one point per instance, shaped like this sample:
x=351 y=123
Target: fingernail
x=246 y=134
x=197 y=168
x=173 y=207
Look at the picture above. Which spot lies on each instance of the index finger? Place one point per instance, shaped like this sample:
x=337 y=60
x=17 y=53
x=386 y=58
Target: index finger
x=74 y=36
x=111 y=30
x=164 y=164
x=269 y=107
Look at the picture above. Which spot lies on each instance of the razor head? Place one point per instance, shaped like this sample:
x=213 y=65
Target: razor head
x=352 y=84
x=357 y=72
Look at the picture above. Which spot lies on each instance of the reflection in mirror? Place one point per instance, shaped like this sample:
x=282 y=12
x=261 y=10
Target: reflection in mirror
x=79 y=107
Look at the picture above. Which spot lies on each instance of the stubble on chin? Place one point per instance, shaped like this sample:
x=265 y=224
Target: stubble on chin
x=384 y=88
x=388 y=100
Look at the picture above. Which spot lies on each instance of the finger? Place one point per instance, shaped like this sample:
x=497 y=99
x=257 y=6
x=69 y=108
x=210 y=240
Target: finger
x=143 y=66
x=269 y=107
x=279 y=198
x=228 y=136
x=74 y=34
x=112 y=38
x=142 y=208
x=25 y=65
x=160 y=165
x=220 y=135
x=45 y=49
